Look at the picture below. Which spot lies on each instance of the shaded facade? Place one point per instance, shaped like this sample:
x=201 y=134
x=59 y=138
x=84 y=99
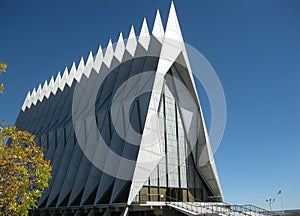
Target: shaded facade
x=121 y=171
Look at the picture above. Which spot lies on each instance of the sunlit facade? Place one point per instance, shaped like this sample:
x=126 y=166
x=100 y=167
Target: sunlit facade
x=90 y=176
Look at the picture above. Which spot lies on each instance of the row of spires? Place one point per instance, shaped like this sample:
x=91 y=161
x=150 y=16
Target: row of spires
x=84 y=68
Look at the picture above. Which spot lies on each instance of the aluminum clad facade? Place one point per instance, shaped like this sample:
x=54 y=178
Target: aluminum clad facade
x=93 y=123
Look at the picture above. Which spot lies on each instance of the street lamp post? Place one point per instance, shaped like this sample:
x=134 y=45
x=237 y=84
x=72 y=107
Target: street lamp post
x=270 y=201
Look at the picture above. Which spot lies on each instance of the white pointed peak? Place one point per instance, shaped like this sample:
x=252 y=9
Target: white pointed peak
x=89 y=64
x=45 y=86
x=120 y=48
x=33 y=93
x=56 y=83
x=39 y=93
x=173 y=29
x=50 y=87
x=90 y=59
x=27 y=99
x=58 y=77
x=158 y=29
x=173 y=43
x=80 y=69
x=98 y=59
x=29 y=102
x=131 y=42
x=71 y=75
x=144 y=37
x=51 y=83
x=44 y=90
x=63 y=80
x=108 y=54
x=34 y=96
x=65 y=74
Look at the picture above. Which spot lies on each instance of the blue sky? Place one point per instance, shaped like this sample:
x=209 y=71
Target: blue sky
x=254 y=46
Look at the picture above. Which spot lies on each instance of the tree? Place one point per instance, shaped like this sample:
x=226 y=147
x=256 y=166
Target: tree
x=24 y=173
x=3 y=67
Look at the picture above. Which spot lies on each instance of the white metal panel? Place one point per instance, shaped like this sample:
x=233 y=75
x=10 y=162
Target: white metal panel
x=144 y=38
x=108 y=56
x=63 y=80
x=89 y=64
x=56 y=83
x=120 y=48
x=131 y=42
x=44 y=89
x=71 y=75
x=39 y=94
x=27 y=99
x=50 y=87
x=158 y=29
x=33 y=97
x=80 y=69
x=98 y=59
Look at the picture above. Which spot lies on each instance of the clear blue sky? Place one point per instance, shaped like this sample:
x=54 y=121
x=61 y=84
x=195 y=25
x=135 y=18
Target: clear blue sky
x=254 y=46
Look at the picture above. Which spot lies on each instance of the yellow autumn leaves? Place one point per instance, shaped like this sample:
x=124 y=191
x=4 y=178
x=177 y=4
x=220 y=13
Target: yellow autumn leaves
x=3 y=67
x=23 y=172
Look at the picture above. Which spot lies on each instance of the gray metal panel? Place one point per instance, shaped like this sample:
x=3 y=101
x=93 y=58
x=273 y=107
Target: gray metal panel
x=71 y=171
x=63 y=165
x=119 y=185
x=56 y=164
x=105 y=132
x=94 y=173
x=85 y=164
x=48 y=117
x=106 y=182
x=92 y=183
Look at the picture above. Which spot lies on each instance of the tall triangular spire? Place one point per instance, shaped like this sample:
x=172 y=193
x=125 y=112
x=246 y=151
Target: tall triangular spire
x=144 y=38
x=108 y=54
x=45 y=86
x=158 y=29
x=89 y=65
x=131 y=42
x=173 y=43
x=33 y=96
x=56 y=83
x=40 y=93
x=63 y=80
x=120 y=48
x=173 y=29
x=27 y=99
x=50 y=87
x=98 y=59
x=71 y=76
x=80 y=69
x=172 y=46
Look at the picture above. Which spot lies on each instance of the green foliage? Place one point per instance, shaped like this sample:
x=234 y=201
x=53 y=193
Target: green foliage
x=24 y=173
